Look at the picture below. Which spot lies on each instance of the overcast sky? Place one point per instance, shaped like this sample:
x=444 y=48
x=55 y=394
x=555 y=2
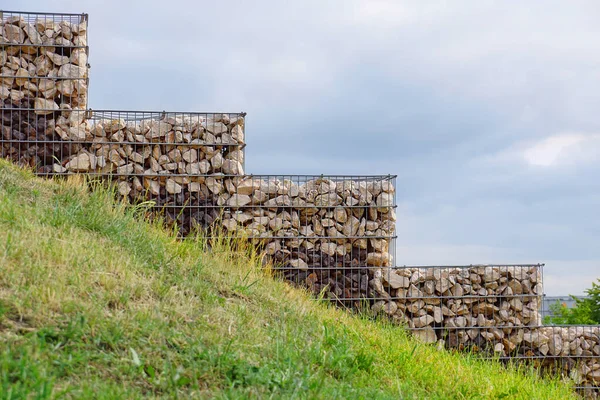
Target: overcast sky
x=488 y=111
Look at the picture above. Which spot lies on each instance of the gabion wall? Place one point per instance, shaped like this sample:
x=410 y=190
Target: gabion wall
x=43 y=61
x=494 y=310
x=334 y=235
x=140 y=149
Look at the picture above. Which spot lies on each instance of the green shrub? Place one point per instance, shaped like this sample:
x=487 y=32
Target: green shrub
x=585 y=311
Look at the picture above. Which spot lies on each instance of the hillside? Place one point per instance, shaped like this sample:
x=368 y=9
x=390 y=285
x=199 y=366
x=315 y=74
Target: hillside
x=94 y=302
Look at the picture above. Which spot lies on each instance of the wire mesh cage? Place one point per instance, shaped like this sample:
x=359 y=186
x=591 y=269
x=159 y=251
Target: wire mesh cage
x=491 y=310
x=572 y=352
x=332 y=234
x=140 y=149
x=468 y=296
x=328 y=233
x=43 y=60
x=464 y=306
x=36 y=17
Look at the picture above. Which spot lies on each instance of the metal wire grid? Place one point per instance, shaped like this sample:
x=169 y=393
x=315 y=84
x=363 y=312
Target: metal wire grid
x=446 y=304
x=327 y=233
x=286 y=212
x=464 y=297
x=217 y=126
x=163 y=157
x=84 y=125
x=405 y=293
x=343 y=279
x=296 y=247
x=52 y=69
x=122 y=144
x=503 y=322
x=291 y=210
x=570 y=351
x=32 y=17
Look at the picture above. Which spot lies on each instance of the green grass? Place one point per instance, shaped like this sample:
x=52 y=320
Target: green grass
x=97 y=303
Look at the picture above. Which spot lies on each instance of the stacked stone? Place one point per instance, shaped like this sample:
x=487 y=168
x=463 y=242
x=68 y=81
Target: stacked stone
x=167 y=155
x=572 y=351
x=321 y=233
x=156 y=156
x=190 y=166
x=43 y=72
x=474 y=304
x=329 y=234
x=43 y=62
x=494 y=310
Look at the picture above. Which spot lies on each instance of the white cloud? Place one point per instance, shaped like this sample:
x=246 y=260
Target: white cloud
x=567 y=149
x=547 y=152
x=563 y=149
x=388 y=14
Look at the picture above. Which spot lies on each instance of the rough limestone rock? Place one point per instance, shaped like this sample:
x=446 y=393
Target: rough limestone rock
x=36 y=63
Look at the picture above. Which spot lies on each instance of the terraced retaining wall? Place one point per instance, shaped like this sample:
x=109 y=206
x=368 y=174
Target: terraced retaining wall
x=325 y=232
x=334 y=235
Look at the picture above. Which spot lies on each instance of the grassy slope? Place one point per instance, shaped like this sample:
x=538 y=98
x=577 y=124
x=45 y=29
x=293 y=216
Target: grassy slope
x=94 y=302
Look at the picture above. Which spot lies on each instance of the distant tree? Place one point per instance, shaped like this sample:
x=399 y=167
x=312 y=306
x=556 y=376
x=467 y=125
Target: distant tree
x=585 y=311
x=593 y=301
